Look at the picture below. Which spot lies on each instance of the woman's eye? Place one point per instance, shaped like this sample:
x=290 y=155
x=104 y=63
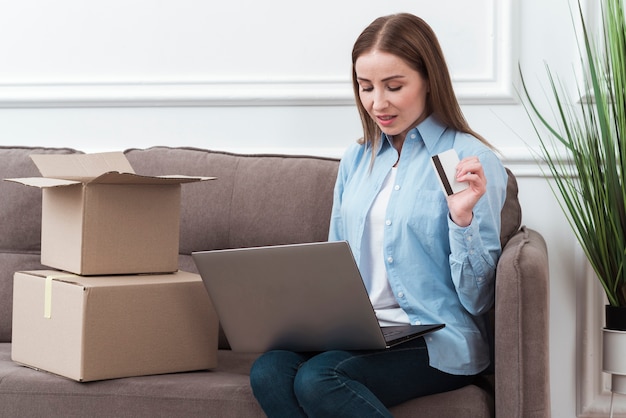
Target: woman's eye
x=394 y=88
x=366 y=89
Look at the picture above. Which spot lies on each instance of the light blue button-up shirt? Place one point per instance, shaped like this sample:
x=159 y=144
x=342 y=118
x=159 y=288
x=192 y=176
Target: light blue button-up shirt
x=438 y=271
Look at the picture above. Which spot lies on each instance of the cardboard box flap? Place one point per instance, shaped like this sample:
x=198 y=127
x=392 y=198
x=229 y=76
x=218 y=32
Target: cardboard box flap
x=109 y=178
x=81 y=166
x=101 y=168
x=43 y=182
x=57 y=275
x=131 y=178
x=114 y=280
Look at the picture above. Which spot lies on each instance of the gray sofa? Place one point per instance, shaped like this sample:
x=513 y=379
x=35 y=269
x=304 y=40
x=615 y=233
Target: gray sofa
x=263 y=200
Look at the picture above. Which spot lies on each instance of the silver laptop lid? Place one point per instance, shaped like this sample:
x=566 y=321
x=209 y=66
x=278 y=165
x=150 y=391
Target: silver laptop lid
x=301 y=297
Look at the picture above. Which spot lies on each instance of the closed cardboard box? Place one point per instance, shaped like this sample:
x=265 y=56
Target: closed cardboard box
x=100 y=218
x=94 y=328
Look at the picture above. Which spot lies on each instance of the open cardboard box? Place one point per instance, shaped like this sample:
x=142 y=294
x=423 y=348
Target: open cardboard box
x=100 y=218
x=93 y=328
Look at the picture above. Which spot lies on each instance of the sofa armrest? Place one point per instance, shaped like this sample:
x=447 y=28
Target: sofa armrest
x=522 y=328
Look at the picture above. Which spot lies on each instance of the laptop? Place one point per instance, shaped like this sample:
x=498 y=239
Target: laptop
x=297 y=297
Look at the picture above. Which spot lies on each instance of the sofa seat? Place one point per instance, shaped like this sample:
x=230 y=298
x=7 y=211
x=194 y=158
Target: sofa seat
x=223 y=392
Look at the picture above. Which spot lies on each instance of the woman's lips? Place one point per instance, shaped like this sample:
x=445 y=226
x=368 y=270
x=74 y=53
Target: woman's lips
x=385 y=120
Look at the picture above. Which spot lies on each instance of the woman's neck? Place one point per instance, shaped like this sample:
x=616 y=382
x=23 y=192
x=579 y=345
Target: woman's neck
x=397 y=142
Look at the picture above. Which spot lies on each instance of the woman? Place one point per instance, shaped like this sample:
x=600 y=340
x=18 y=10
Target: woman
x=425 y=257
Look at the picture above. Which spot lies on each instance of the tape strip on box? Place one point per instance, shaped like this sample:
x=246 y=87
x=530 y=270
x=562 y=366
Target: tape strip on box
x=47 y=302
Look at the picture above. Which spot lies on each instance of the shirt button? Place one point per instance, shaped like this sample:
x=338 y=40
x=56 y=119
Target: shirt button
x=400 y=294
x=390 y=259
x=397 y=187
x=418 y=322
x=388 y=222
x=413 y=136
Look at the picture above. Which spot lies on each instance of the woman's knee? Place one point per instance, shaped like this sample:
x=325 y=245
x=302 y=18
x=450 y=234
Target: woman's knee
x=272 y=368
x=259 y=372
x=317 y=378
x=309 y=387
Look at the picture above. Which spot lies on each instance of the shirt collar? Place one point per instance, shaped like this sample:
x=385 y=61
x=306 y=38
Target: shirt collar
x=429 y=131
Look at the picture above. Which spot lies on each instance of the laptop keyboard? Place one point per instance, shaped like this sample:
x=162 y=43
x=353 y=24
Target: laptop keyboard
x=390 y=332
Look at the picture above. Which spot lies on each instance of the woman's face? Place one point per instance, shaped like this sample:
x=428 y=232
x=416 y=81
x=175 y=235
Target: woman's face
x=392 y=93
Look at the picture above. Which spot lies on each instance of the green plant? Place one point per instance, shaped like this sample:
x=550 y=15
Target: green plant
x=591 y=132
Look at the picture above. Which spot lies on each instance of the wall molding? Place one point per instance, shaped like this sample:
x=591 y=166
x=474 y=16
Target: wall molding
x=496 y=85
x=487 y=81
x=176 y=94
x=218 y=93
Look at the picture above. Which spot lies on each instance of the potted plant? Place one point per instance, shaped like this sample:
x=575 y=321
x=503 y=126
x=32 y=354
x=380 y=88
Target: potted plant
x=585 y=151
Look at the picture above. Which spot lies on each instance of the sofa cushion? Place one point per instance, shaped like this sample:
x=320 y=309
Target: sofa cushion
x=21 y=202
x=12 y=262
x=222 y=392
x=256 y=200
x=476 y=403
x=20 y=225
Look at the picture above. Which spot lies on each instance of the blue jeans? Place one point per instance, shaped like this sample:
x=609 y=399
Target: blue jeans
x=346 y=383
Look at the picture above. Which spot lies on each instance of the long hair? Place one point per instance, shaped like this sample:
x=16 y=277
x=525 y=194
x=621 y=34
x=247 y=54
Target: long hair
x=413 y=40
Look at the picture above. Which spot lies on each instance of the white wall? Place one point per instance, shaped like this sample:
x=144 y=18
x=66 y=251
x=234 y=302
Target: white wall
x=273 y=76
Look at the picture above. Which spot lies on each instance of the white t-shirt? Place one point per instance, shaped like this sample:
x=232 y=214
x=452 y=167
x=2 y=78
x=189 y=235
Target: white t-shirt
x=373 y=269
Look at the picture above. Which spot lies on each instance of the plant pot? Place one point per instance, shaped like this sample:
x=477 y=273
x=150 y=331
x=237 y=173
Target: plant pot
x=615 y=317
x=614 y=347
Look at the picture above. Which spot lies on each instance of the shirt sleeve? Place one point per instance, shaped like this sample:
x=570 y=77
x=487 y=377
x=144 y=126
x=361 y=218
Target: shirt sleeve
x=475 y=249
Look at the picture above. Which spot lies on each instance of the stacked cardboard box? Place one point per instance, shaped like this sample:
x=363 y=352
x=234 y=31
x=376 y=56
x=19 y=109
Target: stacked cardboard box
x=115 y=305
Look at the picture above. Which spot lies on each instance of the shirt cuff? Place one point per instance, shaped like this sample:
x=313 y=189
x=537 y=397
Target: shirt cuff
x=463 y=239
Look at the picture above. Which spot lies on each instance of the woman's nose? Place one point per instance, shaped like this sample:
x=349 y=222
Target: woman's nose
x=380 y=101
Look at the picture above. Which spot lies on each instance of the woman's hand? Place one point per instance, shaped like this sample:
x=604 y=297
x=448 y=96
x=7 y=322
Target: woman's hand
x=461 y=204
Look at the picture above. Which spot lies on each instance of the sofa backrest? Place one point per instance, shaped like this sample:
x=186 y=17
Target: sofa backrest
x=256 y=200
